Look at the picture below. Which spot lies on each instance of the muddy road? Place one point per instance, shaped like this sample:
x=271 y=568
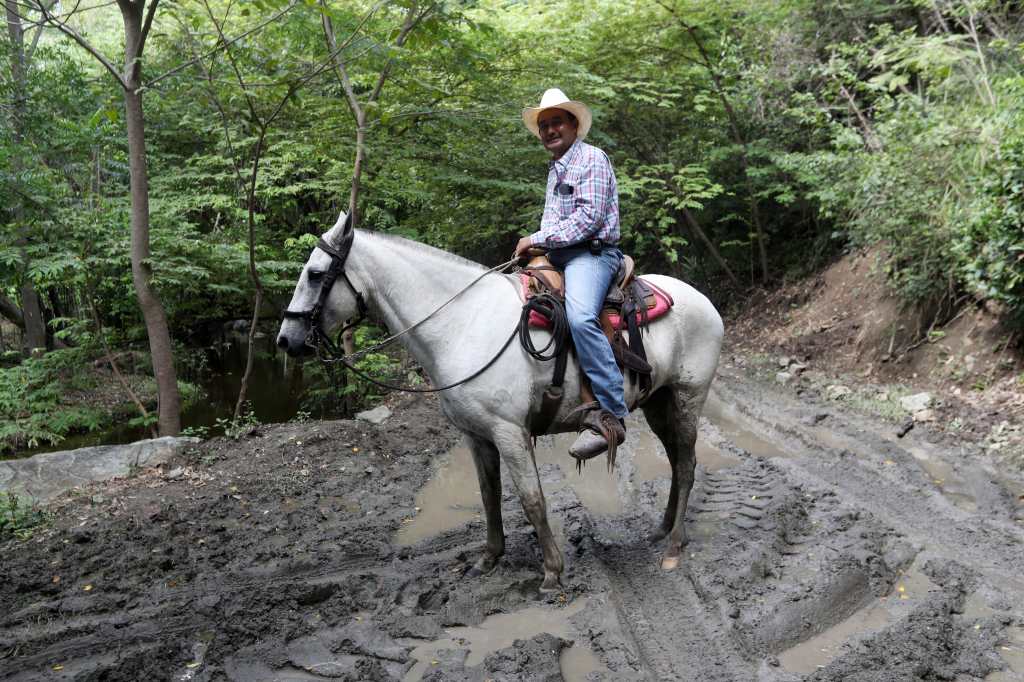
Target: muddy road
x=822 y=547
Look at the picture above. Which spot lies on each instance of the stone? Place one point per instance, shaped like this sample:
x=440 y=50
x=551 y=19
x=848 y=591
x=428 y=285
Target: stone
x=783 y=377
x=925 y=416
x=797 y=367
x=837 y=392
x=784 y=361
x=45 y=476
x=916 y=402
x=174 y=474
x=376 y=416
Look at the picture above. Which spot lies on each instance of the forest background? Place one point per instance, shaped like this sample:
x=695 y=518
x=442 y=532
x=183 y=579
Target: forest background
x=753 y=142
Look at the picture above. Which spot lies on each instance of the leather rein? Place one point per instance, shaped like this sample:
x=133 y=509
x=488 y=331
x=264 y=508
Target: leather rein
x=330 y=352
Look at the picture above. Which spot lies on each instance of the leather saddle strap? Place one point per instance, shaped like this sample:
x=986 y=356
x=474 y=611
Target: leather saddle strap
x=552 y=396
x=635 y=303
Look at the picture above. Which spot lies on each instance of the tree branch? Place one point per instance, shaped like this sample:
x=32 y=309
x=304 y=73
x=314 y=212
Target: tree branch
x=85 y=44
x=223 y=45
x=11 y=311
x=147 y=24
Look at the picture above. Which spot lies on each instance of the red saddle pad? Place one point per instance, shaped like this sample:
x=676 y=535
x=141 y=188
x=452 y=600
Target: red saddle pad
x=661 y=306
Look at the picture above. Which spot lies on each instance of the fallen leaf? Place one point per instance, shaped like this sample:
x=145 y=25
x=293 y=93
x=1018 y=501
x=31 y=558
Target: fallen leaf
x=56 y=579
x=193 y=664
x=355 y=449
x=58 y=667
x=87 y=588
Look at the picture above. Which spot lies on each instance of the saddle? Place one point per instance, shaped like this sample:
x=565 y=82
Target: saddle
x=630 y=304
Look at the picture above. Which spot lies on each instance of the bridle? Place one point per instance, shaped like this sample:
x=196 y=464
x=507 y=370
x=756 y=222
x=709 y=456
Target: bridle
x=328 y=351
x=317 y=336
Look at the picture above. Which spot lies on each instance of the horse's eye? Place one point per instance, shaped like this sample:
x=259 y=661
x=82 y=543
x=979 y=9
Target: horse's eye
x=315 y=275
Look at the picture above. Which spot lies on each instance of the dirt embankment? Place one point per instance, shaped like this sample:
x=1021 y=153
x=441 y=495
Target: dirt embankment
x=822 y=548
x=848 y=328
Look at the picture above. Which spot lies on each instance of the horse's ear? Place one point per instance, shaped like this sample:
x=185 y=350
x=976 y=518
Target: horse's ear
x=341 y=232
x=346 y=230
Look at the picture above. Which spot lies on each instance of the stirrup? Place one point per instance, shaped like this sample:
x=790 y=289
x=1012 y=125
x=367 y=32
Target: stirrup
x=601 y=423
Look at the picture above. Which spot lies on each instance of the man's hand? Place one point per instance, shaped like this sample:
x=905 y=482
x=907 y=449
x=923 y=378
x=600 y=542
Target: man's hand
x=523 y=246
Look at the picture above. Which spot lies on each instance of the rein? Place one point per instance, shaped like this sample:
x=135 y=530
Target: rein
x=330 y=352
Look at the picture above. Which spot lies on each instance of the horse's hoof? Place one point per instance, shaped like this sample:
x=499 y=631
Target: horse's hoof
x=483 y=566
x=669 y=563
x=550 y=585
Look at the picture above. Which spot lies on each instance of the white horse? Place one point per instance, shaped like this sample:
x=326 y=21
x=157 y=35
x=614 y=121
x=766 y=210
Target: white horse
x=403 y=281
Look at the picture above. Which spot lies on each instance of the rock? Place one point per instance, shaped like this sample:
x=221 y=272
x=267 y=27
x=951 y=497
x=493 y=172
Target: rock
x=174 y=474
x=45 y=476
x=783 y=377
x=916 y=402
x=905 y=427
x=815 y=419
x=376 y=416
x=837 y=392
x=82 y=536
x=797 y=367
x=925 y=416
x=784 y=362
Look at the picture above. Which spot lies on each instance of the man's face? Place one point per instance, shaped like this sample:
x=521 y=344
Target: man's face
x=557 y=131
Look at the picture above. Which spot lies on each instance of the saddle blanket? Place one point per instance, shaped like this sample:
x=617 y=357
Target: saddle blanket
x=662 y=303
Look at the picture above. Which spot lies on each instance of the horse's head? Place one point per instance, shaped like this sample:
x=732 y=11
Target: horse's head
x=324 y=296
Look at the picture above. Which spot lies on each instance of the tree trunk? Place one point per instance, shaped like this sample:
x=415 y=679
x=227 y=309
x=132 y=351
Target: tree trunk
x=740 y=140
x=169 y=402
x=715 y=255
x=254 y=275
x=33 y=321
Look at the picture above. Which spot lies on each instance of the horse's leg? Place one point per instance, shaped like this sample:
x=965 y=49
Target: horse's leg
x=514 y=445
x=674 y=415
x=488 y=471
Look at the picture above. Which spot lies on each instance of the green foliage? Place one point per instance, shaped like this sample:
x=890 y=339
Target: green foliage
x=19 y=518
x=813 y=125
x=33 y=409
x=236 y=428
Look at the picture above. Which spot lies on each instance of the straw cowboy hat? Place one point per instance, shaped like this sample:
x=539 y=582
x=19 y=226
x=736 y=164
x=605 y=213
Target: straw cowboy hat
x=556 y=99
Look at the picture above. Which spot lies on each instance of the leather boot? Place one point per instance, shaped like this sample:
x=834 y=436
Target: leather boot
x=600 y=430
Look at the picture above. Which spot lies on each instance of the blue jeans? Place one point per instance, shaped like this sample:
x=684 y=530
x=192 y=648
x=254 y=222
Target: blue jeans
x=586 y=282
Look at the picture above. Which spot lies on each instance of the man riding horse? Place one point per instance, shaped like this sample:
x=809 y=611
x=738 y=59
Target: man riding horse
x=580 y=230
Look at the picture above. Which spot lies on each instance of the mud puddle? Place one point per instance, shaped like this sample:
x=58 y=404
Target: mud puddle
x=739 y=430
x=501 y=630
x=810 y=655
x=452 y=495
x=1012 y=653
x=449 y=499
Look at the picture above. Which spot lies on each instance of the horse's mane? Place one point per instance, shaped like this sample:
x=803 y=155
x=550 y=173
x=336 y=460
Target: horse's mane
x=425 y=248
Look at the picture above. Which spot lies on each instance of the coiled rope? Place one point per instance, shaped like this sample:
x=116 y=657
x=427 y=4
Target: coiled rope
x=552 y=309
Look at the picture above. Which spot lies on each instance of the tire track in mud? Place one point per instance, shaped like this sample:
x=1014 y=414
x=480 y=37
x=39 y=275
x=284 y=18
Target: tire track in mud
x=671 y=630
x=786 y=550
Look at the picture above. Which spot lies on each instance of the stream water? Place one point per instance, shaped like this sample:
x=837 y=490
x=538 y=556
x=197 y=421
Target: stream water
x=274 y=393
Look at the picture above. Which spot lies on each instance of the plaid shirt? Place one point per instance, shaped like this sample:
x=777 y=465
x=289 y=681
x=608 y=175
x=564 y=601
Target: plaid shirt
x=590 y=210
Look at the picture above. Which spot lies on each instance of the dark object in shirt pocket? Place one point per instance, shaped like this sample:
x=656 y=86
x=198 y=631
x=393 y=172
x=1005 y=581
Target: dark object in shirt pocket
x=564 y=189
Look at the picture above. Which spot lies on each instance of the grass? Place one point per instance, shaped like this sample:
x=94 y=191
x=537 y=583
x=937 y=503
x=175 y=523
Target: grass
x=20 y=518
